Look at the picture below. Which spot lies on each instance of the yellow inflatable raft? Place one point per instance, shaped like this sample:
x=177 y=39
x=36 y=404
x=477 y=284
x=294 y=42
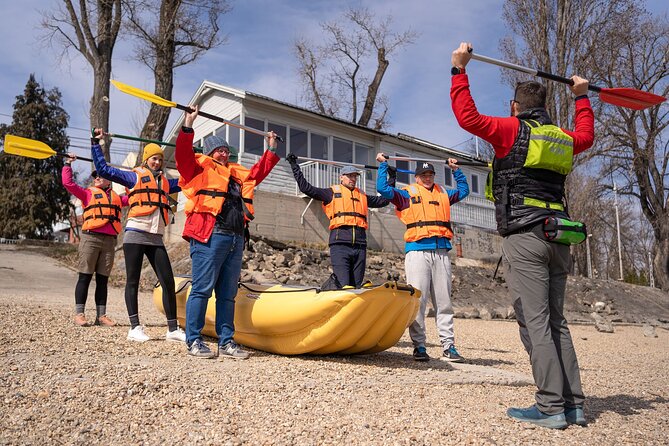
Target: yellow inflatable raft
x=292 y=320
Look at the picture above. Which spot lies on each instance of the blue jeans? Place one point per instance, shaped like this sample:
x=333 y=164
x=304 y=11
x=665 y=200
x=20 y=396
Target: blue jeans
x=216 y=266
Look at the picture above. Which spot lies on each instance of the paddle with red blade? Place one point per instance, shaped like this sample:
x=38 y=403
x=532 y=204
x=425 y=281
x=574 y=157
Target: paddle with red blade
x=623 y=97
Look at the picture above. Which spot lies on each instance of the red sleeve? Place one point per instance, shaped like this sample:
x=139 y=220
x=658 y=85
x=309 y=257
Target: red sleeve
x=83 y=194
x=185 y=157
x=584 y=126
x=263 y=167
x=500 y=132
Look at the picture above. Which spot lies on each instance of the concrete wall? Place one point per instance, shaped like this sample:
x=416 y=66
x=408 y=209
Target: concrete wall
x=278 y=218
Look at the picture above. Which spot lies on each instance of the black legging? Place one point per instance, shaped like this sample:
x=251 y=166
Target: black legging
x=81 y=290
x=160 y=262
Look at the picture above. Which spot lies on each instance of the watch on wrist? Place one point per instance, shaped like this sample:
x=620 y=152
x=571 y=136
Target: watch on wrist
x=456 y=70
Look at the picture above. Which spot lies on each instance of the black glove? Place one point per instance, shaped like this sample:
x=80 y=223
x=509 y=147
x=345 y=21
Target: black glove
x=392 y=176
x=291 y=158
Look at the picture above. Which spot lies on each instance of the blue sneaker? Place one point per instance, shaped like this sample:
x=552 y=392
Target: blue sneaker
x=575 y=415
x=535 y=416
x=420 y=354
x=452 y=355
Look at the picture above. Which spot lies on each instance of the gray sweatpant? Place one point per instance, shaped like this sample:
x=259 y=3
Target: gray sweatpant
x=537 y=277
x=430 y=272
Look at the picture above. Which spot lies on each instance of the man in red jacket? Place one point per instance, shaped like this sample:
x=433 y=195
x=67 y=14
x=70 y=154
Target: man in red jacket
x=215 y=222
x=532 y=160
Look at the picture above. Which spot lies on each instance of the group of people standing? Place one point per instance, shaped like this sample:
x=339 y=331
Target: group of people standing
x=220 y=204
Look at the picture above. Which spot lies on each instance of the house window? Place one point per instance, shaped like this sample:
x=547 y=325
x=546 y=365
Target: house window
x=402 y=177
x=363 y=155
x=319 y=146
x=254 y=144
x=448 y=176
x=474 y=187
x=342 y=150
x=233 y=133
x=280 y=130
x=298 y=142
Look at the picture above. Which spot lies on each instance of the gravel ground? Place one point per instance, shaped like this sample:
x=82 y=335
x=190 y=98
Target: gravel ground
x=65 y=384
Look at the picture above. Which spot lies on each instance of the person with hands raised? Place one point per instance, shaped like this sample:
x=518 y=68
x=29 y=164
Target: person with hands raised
x=219 y=207
x=424 y=207
x=148 y=193
x=531 y=163
x=102 y=223
x=346 y=207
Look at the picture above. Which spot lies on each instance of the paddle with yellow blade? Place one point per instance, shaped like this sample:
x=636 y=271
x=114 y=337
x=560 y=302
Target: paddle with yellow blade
x=17 y=145
x=134 y=91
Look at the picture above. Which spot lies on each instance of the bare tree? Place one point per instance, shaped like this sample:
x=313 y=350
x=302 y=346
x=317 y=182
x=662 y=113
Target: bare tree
x=71 y=27
x=635 y=144
x=182 y=32
x=336 y=75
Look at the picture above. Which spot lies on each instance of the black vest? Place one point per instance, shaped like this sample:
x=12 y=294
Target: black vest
x=511 y=182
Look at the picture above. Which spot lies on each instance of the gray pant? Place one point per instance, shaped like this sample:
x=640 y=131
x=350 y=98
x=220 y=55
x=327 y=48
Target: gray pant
x=537 y=279
x=430 y=272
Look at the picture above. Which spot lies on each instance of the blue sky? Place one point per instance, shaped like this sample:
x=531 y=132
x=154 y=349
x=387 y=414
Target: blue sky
x=258 y=57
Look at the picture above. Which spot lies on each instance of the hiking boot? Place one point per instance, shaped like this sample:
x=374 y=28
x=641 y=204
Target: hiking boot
x=80 y=320
x=137 y=334
x=177 y=335
x=200 y=350
x=105 y=321
x=420 y=354
x=233 y=350
x=535 y=416
x=452 y=355
x=575 y=415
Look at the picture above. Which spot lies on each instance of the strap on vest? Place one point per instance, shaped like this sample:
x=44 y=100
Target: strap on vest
x=436 y=203
x=102 y=205
x=349 y=214
x=541 y=204
x=216 y=193
x=443 y=224
x=159 y=204
x=148 y=190
x=111 y=218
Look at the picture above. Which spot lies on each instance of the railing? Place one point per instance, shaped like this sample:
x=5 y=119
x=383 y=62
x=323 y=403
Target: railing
x=325 y=175
x=474 y=211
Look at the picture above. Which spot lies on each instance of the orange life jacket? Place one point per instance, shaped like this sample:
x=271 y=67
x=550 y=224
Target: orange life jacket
x=347 y=208
x=102 y=209
x=428 y=214
x=248 y=189
x=145 y=197
x=207 y=191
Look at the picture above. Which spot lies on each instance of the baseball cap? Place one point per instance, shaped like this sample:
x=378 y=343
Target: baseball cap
x=424 y=167
x=347 y=170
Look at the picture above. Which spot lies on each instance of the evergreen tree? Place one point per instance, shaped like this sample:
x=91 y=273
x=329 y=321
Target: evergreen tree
x=32 y=197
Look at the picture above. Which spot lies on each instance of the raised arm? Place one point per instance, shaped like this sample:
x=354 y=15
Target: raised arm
x=317 y=193
x=125 y=178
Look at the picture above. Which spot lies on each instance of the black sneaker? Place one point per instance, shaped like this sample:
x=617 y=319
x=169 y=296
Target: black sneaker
x=452 y=355
x=200 y=350
x=420 y=354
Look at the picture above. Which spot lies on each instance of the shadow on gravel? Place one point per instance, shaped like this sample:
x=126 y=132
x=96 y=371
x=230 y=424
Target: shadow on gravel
x=409 y=345
x=622 y=404
x=387 y=360
x=488 y=362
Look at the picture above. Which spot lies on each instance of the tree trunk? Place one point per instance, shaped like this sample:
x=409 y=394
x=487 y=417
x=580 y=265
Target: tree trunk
x=661 y=261
x=99 y=113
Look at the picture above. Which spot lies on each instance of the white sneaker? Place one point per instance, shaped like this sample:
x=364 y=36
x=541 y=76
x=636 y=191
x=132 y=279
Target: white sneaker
x=177 y=335
x=137 y=334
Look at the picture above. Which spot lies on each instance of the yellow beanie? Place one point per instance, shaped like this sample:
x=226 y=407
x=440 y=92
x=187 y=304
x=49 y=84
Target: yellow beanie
x=150 y=150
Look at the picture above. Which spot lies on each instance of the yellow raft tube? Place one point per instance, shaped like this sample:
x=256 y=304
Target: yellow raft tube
x=293 y=320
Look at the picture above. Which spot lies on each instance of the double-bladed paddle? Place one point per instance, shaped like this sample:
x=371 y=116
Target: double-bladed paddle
x=30 y=148
x=623 y=97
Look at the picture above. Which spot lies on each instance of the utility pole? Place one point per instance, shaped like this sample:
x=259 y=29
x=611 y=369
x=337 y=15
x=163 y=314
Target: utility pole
x=587 y=250
x=620 y=252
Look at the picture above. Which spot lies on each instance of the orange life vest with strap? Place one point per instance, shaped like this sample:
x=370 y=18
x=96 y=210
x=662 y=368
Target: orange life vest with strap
x=207 y=191
x=428 y=214
x=347 y=208
x=146 y=196
x=248 y=189
x=102 y=209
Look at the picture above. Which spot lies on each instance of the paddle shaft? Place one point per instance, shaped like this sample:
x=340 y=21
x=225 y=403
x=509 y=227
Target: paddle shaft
x=135 y=138
x=532 y=71
x=225 y=121
x=65 y=155
x=460 y=163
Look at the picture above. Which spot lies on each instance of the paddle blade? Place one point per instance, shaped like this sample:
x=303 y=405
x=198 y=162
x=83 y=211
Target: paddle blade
x=17 y=145
x=133 y=91
x=630 y=98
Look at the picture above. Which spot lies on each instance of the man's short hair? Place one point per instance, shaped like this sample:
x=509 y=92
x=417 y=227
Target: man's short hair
x=529 y=95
